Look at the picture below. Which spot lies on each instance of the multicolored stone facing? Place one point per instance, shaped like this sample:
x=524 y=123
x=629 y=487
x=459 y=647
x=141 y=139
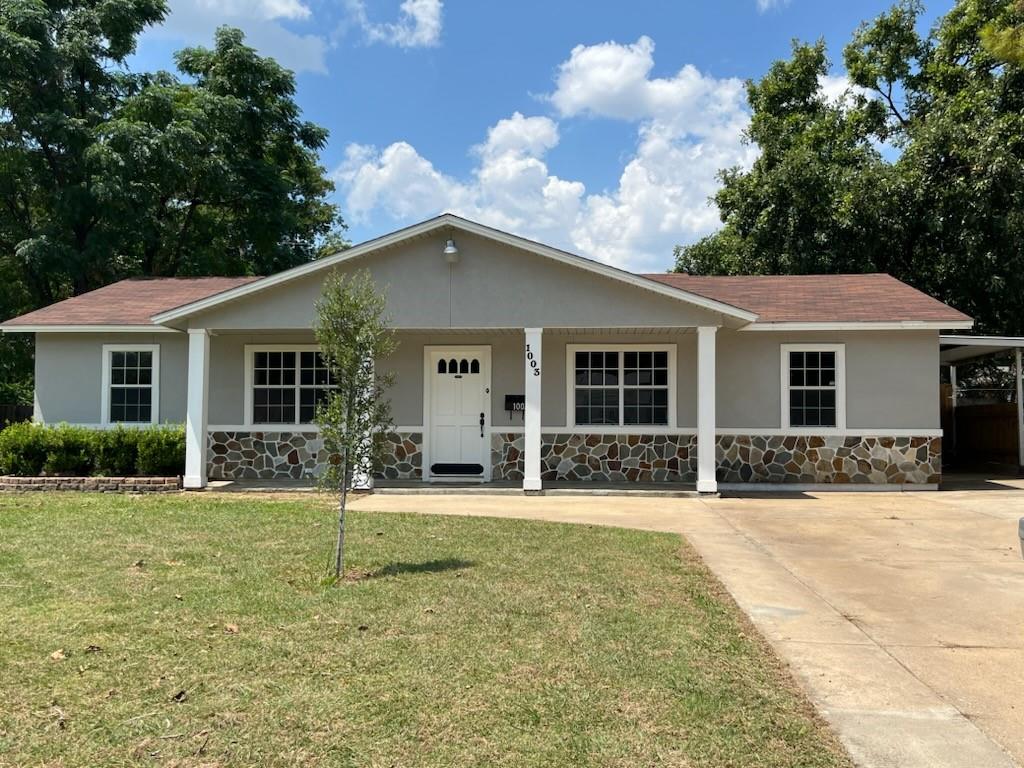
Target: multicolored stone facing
x=601 y=458
x=263 y=455
x=740 y=458
x=403 y=456
x=507 y=455
x=611 y=458
x=813 y=459
x=295 y=455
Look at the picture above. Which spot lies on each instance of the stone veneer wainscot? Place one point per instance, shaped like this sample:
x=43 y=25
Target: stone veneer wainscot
x=266 y=455
x=600 y=457
x=829 y=459
x=263 y=455
x=403 y=456
x=614 y=458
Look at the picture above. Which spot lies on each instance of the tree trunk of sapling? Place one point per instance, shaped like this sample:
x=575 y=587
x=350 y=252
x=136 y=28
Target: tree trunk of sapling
x=339 y=553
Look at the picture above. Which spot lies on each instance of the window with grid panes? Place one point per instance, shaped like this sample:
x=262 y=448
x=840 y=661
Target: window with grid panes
x=621 y=388
x=288 y=385
x=812 y=389
x=131 y=387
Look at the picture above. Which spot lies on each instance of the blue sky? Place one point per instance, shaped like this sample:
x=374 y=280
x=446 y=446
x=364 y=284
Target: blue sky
x=594 y=126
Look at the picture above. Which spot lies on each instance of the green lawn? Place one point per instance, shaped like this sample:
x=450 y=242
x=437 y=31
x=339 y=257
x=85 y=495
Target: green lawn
x=198 y=631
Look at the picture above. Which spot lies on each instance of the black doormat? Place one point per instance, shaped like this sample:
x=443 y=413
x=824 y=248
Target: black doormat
x=456 y=469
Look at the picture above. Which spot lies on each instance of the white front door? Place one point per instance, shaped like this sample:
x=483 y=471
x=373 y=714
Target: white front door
x=459 y=403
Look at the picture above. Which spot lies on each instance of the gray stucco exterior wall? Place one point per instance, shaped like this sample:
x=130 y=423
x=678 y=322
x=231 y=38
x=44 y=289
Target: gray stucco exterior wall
x=69 y=374
x=891 y=376
x=492 y=286
x=507 y=371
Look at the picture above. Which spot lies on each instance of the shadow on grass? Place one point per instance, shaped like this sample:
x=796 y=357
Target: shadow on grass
x=429 y=566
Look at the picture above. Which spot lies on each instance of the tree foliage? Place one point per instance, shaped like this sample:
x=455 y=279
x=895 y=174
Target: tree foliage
x=917 y=171
x=107 y=173
x=352 y=332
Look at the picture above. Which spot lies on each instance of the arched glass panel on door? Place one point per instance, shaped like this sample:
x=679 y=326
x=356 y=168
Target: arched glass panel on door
x=464 y=366
x=442 y=367
x=453 y=366
x=474 y=367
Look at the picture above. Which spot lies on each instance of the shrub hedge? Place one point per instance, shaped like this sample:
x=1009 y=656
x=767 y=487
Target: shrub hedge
x=35 y=449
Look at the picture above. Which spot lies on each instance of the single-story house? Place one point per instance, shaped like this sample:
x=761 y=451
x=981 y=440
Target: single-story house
x=521 y=362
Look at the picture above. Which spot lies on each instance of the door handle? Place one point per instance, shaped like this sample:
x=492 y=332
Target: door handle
x=481 y=423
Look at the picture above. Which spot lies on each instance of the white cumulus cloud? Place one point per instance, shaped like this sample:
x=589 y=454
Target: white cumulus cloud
x=418 y=25
x=511 y=187
x=767 y=5
x=193 y=22
x=689 y=126
x=613 y=80
x=837 y=89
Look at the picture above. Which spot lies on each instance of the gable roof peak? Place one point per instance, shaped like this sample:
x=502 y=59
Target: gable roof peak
x=428 y=226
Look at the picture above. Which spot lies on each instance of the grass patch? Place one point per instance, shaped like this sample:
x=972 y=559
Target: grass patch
x=199 y=631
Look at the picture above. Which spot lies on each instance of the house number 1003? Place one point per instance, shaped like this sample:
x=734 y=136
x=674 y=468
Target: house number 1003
x=532 y=361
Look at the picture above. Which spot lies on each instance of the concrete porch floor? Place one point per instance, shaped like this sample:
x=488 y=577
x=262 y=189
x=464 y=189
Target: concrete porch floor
x=953 y=482
x=495 y=488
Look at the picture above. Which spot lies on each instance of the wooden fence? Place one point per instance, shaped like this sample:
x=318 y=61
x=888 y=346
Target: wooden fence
x=981 y=434
x=10 y=414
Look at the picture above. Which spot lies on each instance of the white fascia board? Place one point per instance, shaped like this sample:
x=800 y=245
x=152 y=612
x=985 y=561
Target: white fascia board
x=983 y=341
x=454 y=222
x=901 y=325
x=87 y=329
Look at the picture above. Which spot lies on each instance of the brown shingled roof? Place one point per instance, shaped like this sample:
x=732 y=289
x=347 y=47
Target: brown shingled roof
x=128 y=302
x=819 y=298
x=775 y=299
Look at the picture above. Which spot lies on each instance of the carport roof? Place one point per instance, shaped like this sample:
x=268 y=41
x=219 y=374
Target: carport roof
x=955 y=349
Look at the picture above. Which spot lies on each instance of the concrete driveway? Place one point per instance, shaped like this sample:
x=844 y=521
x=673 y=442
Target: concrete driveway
x=902 y=614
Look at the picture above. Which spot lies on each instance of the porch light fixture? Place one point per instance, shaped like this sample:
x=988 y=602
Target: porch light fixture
x=451 y=253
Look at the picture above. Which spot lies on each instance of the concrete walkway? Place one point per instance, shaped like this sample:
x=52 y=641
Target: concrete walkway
x=902 y=614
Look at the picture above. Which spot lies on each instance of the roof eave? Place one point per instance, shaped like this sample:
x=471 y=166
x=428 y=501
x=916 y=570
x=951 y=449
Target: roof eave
x=84 y=328
x=866 y=325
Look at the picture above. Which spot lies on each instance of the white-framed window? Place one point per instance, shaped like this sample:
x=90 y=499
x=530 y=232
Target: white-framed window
x=620 y=385
x=284 y=384
x=130 y=384
x=813 y=386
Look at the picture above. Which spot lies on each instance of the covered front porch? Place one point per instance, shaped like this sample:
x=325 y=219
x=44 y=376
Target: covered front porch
x=517 y=409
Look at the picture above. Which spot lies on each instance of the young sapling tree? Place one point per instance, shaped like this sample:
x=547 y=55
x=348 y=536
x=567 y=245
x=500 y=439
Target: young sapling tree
x=354 y=415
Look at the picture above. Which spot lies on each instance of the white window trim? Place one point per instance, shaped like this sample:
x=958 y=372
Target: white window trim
x=154 y=413
x=570 y=388
x=250 y=350
x=840 y=352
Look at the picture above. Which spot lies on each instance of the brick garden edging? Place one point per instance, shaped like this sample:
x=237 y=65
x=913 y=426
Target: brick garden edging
x=102 y=484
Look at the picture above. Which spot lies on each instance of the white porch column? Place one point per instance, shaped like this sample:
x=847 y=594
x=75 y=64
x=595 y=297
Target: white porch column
x=1020 y=407
x=196 y=414
x=362 y=476
x=532 y=428
x=706 y=482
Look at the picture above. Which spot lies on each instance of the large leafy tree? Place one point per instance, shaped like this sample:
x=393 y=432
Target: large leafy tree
x=106 y=173
x=942 y=206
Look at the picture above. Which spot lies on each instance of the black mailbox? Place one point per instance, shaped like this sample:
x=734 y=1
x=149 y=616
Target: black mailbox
x=515 y=404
